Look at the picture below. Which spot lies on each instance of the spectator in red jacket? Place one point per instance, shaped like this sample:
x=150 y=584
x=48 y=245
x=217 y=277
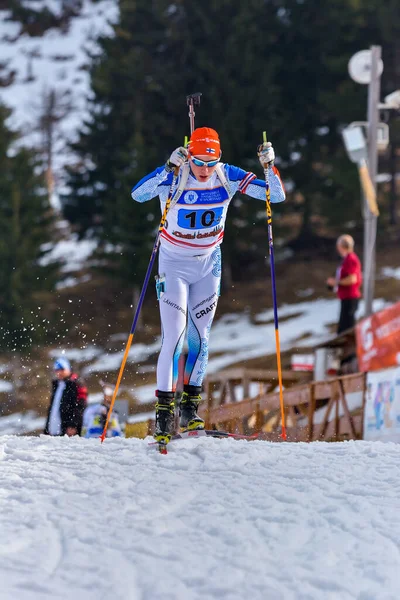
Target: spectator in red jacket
x=67 y=403
x=347 y=282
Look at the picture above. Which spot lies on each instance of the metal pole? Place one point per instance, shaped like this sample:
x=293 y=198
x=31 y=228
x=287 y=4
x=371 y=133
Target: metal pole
x=370 y=220
x=192 y=100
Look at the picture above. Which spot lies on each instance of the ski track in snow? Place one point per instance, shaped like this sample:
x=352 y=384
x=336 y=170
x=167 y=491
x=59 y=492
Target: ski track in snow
x=214 y=519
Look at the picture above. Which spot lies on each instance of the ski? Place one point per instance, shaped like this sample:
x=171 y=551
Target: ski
x=197 y=433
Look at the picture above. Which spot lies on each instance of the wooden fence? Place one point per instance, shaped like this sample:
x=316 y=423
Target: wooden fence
x=318 y=410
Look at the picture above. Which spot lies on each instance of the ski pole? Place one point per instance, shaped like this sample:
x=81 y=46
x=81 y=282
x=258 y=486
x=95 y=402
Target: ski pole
x=275 y=304
x=141 y=298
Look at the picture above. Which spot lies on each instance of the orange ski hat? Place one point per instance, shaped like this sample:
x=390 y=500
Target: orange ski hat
x=205 y=141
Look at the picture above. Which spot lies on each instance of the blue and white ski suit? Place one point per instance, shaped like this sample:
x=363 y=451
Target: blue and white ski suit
x=190 y=261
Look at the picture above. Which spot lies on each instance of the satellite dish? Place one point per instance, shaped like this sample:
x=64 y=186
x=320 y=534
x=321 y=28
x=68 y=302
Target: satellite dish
x=360 y=66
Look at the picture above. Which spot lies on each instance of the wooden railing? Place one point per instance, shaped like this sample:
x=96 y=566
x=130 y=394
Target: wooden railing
x=223 y=386
x=318 y=410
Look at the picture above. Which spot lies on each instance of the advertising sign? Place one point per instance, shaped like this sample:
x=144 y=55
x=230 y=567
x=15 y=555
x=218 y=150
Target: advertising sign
x=378 y=340
x=382 y=406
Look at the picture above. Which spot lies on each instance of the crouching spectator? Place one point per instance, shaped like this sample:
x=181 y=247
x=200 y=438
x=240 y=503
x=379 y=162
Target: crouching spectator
x=95 y=416
x=67 y=402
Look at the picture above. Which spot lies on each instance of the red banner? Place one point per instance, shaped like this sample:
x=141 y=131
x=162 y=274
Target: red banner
x=378 y=340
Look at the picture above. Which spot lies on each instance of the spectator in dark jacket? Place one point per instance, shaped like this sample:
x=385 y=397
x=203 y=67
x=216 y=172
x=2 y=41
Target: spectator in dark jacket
x=347 y=282
x=67 y=403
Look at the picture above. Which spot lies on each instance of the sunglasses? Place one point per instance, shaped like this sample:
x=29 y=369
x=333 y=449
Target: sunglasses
x=204 y=163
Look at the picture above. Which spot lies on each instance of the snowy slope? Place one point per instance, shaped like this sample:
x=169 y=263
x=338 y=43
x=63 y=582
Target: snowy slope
x=212 y=520
x=56 y=61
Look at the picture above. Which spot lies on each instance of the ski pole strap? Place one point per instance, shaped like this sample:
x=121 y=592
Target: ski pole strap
x=182 y=181
x=223 y=179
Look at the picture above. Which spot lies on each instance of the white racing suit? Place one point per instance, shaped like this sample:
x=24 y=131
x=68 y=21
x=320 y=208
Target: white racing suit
x=190 y=260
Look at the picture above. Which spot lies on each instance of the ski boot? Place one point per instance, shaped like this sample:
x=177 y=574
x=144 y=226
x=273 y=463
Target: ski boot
x=165 y=419
x=190 y=400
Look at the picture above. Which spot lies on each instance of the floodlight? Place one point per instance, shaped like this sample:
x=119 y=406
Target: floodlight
x=393 y=100
x=355 y=143
x=356 y=147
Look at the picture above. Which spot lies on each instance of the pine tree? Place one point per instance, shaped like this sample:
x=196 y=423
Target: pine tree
x=25 y=222
x=139 y=114
x=274 y=66
x=388 y=17
x=124 y=140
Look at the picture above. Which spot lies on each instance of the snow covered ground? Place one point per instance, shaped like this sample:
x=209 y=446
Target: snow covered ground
x=21 y=423
x=391 y=272
x=72 y=253
x=212 y=520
